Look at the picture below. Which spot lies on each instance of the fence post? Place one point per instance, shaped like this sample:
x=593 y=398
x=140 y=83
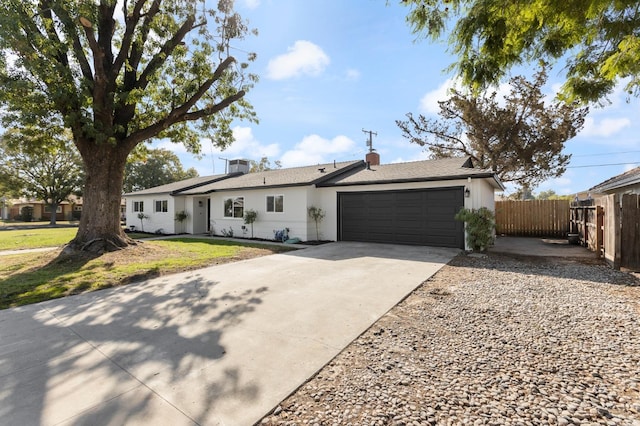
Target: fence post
x=599 y=225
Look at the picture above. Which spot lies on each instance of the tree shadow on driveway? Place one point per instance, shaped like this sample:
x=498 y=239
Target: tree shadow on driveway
x=137 y=354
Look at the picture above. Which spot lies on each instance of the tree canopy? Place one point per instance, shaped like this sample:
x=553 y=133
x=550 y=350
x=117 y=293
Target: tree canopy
x=41 y=165
x=118 y=73
x=264 y=165
x=520 y=139
x=599 y=40
x=152 y=168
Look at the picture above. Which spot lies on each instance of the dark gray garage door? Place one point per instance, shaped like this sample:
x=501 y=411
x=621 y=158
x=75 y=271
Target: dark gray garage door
x=421 y=217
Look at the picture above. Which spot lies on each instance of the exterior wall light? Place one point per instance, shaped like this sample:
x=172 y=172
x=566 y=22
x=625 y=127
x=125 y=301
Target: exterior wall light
x=467 y=192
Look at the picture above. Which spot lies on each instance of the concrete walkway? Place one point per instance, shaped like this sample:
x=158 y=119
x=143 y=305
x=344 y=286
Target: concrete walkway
x=218 y=346
x=545 y=247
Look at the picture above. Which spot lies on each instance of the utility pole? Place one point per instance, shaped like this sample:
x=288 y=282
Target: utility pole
x=370 y=141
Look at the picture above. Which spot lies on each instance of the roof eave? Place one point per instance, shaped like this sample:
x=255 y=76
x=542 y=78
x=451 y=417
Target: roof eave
x=218 y=179
x=424 y=179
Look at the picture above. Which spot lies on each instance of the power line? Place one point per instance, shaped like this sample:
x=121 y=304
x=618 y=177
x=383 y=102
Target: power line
x=604 y=153
x=602 y=165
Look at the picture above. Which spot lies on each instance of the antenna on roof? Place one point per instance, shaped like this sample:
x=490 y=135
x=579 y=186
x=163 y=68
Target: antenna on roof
x=226 y=164
x=370 y=141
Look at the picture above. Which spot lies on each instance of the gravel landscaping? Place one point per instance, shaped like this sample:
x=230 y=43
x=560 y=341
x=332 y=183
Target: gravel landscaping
x=490 y=340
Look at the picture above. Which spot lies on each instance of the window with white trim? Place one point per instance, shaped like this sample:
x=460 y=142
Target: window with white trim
x=161 y=206
x=47 y=209
x=138 y=206
x=234 y=207
x=275 y=203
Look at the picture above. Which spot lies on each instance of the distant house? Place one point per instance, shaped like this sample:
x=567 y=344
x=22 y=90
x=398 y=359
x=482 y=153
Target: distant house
x=67 y=210
x=406 y=203
x=40 y=210
x=625 y=183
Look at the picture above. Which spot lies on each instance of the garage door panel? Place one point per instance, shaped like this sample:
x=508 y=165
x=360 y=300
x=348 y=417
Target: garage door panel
x=424 y=217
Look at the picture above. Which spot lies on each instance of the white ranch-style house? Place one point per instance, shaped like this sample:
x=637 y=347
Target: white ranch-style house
x=404 y=203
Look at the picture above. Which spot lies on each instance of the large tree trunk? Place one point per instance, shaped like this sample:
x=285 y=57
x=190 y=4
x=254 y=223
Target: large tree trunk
x=100 y=228
x=53 y=208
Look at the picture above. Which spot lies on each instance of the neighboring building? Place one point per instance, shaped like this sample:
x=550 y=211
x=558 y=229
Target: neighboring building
x=67 y=210
x=625 y=183
x=41 y=211
x=406 y=203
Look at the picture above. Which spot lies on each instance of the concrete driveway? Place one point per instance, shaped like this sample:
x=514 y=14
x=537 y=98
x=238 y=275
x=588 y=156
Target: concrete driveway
x=217 y=346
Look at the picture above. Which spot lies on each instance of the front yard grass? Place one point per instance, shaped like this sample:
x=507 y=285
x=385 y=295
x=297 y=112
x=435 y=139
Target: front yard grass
x=35 y=277
x=19 y=239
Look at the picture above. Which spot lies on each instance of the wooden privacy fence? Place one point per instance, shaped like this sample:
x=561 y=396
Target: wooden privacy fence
x=533 y=218
x=621 y=230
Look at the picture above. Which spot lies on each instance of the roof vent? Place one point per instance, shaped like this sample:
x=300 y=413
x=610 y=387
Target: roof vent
x=239 y=166
x=321 y=169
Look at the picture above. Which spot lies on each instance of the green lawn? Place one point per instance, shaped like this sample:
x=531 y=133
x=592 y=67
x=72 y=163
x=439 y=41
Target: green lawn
x=34 y=238
x=35 y=277
x=17 y=239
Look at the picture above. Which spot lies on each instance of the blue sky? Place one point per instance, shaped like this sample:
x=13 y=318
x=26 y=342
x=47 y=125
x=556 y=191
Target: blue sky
x=330 y=68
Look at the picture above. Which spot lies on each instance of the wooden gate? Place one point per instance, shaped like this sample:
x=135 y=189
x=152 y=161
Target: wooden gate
x=587 y=222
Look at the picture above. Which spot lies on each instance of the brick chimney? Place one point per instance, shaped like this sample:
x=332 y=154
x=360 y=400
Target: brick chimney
x=373 y=158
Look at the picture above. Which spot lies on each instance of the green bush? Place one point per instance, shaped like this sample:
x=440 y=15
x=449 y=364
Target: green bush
x=480 y=224
x=26 y=213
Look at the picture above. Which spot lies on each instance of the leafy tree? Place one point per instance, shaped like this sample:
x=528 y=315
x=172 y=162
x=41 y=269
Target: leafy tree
x=154 y=168
x=264 y=165
x=521 y=140
x=41 y=165
x=598 y=39
x=551 y=195
x=250 y=216
x=317 y=214
x=118 y=73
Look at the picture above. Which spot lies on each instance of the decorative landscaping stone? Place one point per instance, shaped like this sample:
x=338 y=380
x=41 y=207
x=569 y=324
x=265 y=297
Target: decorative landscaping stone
x=490 y=340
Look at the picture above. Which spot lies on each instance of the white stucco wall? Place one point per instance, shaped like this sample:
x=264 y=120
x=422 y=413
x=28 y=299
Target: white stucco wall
x=293 y=217
x=296 y=202
x=156 y=220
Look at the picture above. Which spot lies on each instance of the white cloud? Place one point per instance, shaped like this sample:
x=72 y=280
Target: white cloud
x=245 y=145
x=314 y=149
x=176 y=148
x=251 y=4
x=352 y=74
x=303 y=58
x=429 y=102
x=605 y=127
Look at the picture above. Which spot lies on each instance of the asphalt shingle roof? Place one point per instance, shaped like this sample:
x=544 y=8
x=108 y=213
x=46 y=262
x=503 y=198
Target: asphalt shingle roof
x=294 y=176
x=415 y=171
x=630 y=177
x=330 y=174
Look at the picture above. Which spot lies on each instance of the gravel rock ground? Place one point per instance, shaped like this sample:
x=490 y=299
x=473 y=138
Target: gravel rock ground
x=489 y=340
